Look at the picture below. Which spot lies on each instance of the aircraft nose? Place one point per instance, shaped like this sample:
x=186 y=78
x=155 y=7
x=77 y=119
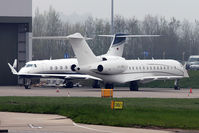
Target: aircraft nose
x=23 y=70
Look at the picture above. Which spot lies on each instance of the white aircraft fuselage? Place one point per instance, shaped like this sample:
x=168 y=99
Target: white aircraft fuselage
x=122 y=71
x=58 y=66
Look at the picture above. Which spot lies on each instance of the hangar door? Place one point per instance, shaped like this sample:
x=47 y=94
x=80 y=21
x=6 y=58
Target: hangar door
x=8 y=52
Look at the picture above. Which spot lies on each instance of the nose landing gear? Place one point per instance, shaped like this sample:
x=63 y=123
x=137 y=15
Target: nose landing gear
x=27 y=83
x=176 y=84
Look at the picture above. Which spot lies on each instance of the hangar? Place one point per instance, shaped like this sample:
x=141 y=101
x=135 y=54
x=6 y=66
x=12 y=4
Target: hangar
x=15 y=32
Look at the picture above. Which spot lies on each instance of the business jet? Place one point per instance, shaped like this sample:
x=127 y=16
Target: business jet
x=66 y=68
x=120 y=70
x=60 y=68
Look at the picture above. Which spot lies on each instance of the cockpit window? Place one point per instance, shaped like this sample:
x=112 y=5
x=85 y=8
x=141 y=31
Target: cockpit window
x=31 y=65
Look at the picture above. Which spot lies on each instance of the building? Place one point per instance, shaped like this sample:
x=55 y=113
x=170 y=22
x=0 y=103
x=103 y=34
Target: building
x=15 y=43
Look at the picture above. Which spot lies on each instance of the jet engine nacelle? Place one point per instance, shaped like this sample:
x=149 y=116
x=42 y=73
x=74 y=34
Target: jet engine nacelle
x=112 y=67
x=74 y=68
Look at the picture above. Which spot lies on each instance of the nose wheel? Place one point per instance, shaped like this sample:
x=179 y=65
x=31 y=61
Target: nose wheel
x=176 y=84
x=27 y=83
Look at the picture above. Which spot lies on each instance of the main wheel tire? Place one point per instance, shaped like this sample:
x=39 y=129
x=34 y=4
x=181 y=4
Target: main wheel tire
x=176 y=87
x=134 y=86
x=69 y=85
x=109 y=86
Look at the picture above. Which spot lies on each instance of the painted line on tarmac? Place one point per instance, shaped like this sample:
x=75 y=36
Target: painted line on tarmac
x=32 y=126
x=93 y=129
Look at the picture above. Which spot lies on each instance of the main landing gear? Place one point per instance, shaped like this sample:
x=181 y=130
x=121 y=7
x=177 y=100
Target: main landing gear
x=96 y=84
x=68 y=84
x=176 y=84
x=109 y=86
x=134 y=86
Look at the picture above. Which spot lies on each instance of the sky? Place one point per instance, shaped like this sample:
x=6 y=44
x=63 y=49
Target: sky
x=180 y=9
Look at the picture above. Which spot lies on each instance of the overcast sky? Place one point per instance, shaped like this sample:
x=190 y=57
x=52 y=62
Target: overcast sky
x=180 y=9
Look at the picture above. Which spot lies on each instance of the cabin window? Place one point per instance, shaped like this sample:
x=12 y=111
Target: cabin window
x=35 y=65
x=51 y=68
x=61 y=67
x=66 y=67
x=56 y=67
x=143 y=68
x=104 y=59
x=140 y=67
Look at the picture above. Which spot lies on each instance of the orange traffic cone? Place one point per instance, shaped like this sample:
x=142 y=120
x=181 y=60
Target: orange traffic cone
x=57 y=90
x=190 y=91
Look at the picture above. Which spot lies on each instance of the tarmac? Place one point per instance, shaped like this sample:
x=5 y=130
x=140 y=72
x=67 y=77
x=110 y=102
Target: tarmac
x=89 y=92
x=43 y=123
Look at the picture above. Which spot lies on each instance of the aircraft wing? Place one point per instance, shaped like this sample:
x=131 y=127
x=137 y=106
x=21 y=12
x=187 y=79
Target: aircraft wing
x=62 y=76
x=146 y=79
x=149 y=79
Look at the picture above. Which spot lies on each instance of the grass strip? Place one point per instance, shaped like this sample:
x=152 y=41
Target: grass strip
x=137 y=112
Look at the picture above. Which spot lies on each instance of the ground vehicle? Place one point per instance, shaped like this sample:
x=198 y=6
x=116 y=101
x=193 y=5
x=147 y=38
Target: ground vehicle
x=193 y=62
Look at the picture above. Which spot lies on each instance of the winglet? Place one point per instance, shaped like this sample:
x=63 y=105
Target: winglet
x=15 y=64
x=12 y=69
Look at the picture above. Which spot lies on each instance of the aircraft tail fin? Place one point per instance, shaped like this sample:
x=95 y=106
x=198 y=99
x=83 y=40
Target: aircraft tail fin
x=12 y=69
x=118 y=42
x=81 y=49
x=117 y=45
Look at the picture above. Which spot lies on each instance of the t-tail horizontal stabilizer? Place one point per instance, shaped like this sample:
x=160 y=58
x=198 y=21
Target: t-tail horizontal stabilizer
x=55 y=38
x=117 y=45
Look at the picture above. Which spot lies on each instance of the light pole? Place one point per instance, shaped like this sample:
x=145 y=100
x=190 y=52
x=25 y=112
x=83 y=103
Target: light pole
x=112 y=17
